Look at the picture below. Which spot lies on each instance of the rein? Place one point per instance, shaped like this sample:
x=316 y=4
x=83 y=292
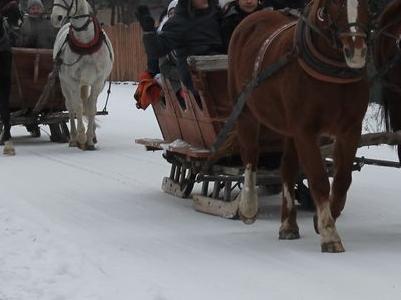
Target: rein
x=86 y=24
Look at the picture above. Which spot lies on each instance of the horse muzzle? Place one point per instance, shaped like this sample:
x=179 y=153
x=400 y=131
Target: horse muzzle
x=354 y=49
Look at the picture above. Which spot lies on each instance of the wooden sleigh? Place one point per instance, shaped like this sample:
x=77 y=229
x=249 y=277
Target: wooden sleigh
x=30 y=74
x=189 y=130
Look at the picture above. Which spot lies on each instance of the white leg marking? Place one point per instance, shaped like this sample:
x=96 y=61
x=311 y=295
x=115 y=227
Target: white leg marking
x=327 y=229
x=248 y=205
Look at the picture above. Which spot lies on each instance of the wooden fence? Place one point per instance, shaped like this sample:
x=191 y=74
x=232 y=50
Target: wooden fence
x=130 y=57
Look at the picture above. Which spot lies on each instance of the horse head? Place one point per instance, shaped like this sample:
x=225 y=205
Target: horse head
x=347 y=22
x=10 y=10
x=63 y=10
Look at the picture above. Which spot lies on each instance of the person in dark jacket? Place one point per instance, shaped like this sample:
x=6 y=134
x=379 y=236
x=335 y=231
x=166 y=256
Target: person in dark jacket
x=5 y=75
x=12 y=25
x=280 y=4
x=36 y=30
x=194 y=30
x=233 y=13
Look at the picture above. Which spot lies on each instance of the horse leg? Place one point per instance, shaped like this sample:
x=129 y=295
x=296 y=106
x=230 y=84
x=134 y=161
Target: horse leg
x=73 y=130
x=248 y=136
x=344 y=153
x=5 y=88
x=90 y=110
x=289 y=172
x=313 y=166
x=70 y=96
x=80 y=107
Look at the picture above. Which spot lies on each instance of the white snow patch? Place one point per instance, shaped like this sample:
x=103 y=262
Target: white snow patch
x=95 y=226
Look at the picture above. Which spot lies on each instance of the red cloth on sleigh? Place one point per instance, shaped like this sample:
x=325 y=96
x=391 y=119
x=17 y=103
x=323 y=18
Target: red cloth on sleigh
x=148 y=91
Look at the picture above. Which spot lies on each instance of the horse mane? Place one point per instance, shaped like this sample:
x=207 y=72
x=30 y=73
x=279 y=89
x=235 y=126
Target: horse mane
x=390 y=13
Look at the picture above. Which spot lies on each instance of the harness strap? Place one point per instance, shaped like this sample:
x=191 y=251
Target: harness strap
x=317 y=65
x=244 y=95
x=86 y=24
x=267 y=43
x=90 y=47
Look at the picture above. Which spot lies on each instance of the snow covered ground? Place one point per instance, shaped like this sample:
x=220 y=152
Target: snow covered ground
x=95 y=225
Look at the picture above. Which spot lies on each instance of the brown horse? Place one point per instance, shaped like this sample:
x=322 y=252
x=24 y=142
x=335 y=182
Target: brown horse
x=321 y=91
x=387 y=53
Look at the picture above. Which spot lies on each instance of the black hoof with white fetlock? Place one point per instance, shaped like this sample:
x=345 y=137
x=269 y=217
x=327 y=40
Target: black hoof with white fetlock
x=289 y=234
x=248 y=220
x=333 y=247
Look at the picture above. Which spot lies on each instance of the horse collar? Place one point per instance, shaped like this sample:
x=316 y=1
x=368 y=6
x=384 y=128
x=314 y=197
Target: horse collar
x=317 y=65
x=86 y=48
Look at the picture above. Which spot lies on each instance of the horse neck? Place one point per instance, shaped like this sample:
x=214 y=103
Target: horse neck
x=86 y=35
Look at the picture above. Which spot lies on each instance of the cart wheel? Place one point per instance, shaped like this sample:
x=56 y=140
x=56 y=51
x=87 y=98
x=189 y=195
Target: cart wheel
x=304 y=197
x=59 y=132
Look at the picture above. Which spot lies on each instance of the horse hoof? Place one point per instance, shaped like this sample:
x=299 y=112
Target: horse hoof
x=333 y=247
x=291 y=234
x=8 y=149
x=9 y=152
x=90 y=147
x=82 y=146
x=315 y=224
x=73 y=144
x=247 y=220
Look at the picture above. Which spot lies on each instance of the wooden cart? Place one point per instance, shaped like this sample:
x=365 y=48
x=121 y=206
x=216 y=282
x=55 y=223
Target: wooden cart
x=30 y=71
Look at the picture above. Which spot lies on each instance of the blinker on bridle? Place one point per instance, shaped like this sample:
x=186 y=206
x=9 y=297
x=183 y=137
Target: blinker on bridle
x=68 y=8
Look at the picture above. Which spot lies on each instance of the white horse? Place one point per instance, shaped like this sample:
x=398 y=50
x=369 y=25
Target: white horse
x=85 y=55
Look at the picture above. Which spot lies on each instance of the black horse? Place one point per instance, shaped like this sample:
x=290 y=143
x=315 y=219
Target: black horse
x=10 y=17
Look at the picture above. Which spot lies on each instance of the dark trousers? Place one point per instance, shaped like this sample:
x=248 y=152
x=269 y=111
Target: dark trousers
x=5 y=88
